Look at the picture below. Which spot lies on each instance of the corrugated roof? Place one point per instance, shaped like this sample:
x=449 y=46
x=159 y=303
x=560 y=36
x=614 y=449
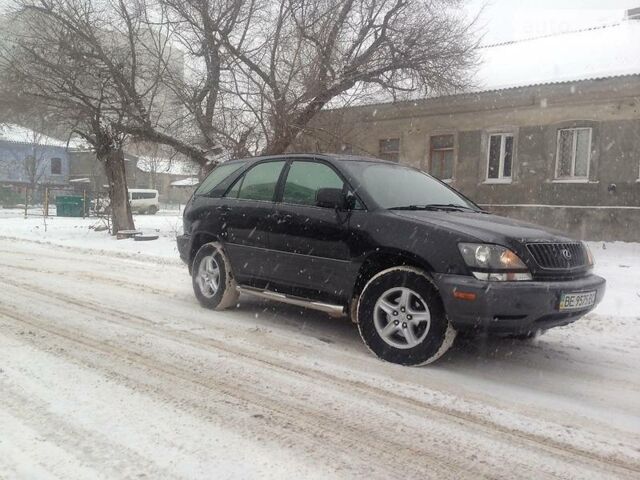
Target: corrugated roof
x=13 y=133
x=167 y=165
x=186 y=182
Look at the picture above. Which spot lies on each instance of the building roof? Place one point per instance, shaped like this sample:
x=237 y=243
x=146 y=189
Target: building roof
x=598 y=52
x=592 y=53
x=13 y=133
x=167 y=165
x=186 y=182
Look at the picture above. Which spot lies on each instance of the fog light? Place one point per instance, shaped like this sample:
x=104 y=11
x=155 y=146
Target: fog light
x=469 y=296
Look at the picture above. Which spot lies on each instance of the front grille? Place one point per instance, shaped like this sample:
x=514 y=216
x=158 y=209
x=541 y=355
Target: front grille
x=558 y=256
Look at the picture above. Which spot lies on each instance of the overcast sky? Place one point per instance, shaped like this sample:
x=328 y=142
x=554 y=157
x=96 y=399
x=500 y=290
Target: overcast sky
x=512 y=19
x=505 y=20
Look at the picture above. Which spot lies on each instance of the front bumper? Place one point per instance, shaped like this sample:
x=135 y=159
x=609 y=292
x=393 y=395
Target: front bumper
x=513 y=307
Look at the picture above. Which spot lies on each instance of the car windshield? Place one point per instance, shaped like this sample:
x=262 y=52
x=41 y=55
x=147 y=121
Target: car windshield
x=397 y=187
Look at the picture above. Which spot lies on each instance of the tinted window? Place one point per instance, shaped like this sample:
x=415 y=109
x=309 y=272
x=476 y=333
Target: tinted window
x=259 y=183
x=217 y=176
x=398 y=186
x=305 y=179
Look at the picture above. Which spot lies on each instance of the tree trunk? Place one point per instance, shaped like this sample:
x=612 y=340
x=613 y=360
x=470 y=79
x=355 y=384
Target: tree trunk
x=121 y=217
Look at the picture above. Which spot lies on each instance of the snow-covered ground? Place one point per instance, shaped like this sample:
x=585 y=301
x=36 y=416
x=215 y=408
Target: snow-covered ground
x=110 y=369
x=79 y=233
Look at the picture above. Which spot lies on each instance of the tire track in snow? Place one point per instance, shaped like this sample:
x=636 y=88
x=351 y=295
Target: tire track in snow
x=293 y=423
x=100 y=456
x=148 y=327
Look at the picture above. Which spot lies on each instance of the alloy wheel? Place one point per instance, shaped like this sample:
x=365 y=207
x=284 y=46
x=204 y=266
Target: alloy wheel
x=402 y=318
x=209 y=276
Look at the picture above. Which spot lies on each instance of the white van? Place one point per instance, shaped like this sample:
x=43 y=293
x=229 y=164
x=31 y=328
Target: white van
x=143 y=200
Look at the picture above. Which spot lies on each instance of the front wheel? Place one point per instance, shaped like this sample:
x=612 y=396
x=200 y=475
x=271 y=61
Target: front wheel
x=213 y=282
x=401 y=318
x=152 y=210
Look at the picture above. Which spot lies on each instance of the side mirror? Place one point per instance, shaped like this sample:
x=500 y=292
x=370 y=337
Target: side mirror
x=330 y=198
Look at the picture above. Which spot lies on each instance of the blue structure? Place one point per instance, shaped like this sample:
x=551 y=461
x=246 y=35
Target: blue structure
x=28 y=158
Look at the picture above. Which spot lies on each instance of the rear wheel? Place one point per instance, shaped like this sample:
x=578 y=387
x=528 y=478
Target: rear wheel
x=213 y=282
x=401 y=318
x=152 y=210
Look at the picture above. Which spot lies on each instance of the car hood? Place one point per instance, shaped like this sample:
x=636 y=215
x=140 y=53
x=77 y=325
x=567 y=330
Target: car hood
x=485 y=227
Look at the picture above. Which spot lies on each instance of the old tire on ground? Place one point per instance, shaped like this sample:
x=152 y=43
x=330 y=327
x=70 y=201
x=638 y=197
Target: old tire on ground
x=152 y=210
x=212 y=278
x=401 y=318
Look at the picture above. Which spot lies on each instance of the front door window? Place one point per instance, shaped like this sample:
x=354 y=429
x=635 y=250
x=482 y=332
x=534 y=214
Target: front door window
x=305 y=179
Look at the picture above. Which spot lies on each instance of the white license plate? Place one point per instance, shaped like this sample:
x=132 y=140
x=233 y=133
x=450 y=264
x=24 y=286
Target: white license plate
x=576 y=301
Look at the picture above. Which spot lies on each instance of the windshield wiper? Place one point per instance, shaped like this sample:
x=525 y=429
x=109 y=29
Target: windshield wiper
x=435 y=206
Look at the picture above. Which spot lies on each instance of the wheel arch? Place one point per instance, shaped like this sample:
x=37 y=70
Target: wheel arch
x=198 y=240
x=381 y=260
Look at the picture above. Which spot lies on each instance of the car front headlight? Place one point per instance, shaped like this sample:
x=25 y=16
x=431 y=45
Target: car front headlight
x=493 y=262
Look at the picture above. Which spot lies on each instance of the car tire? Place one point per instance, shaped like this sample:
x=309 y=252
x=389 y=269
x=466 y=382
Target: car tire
x=212 y=278
x=401 y=318
x=152 y=210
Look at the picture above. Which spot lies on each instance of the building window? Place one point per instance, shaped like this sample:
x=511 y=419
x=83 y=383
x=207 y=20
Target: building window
x=500 y=157
x=574 y=153
x=56 y=166
x=441 y=157
x=389 y=149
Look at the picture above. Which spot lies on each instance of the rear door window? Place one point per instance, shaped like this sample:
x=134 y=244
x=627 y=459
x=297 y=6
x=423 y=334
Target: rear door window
x=259 y=183
x=217 y=176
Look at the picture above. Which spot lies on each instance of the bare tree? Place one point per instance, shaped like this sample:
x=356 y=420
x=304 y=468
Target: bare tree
x=267 y=68
x=245 y=76
x=46 y=65
x=34 y=165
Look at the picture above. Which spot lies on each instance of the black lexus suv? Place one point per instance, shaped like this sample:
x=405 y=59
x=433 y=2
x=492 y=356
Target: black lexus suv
x=408 y=258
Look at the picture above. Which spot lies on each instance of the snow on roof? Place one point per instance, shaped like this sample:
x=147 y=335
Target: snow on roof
x=591 y=53
x=167 y=165
x=186 y=182
x=13 y=133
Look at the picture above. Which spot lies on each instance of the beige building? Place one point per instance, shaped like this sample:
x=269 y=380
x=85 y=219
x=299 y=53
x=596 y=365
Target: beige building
x=553 y=137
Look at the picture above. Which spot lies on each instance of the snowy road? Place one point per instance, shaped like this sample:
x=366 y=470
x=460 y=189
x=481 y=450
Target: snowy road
x=110 y=369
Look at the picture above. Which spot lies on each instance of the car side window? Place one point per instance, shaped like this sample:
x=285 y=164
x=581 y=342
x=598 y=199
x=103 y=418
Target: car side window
x=259 y=183
x=217 y=175
x=305 y=179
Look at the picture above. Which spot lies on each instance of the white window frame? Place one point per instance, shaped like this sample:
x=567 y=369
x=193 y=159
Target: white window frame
x=503 y=136
x=572 y=177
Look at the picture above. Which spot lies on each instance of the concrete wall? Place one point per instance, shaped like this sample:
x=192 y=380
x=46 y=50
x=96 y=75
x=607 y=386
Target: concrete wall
x=611 y=108
x=162 y=183
x=84 y=164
